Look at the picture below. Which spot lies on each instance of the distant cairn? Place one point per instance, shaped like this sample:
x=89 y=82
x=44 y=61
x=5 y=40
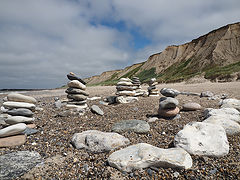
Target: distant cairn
x=77 y=94
x=152 y=89
x=125 y=87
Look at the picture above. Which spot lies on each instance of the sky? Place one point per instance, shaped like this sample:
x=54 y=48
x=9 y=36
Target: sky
x=41 y=41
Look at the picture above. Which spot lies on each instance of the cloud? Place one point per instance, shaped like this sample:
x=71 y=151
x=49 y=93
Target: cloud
x=41 y=41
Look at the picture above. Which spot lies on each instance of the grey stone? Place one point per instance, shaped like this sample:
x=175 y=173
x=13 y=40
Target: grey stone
x=124 y=83
x=136 y=126
x=191 y=106
x=12 y=130
x=21 y=98
x=203 y=139
x=111 y=99
x=18 y=119
x=144 y=155
x=206 y=94
x=76 y=91
x=97 y=141
x=168 y=103
x=30 y=131
x=169 y=92
x=77 y=97
x=72 y=76
x=13 y=105
x=20 y=112
x=76 y=84
x=58 y=104
x=16 y=164
x=127 y=88
x=97 y=110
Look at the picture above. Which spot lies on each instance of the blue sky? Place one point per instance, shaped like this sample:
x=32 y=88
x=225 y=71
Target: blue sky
x=42 y=41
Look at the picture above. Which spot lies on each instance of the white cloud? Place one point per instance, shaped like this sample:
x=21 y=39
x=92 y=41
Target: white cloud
x=41 y=41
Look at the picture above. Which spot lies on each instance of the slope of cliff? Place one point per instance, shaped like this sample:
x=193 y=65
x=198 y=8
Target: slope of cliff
x=214 y=55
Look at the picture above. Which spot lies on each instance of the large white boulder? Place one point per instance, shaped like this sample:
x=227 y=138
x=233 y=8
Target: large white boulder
x=97 y=141
x=199 y=138
x=230 y=103
x=144 y=155
x=231 y=127
x=231 y=113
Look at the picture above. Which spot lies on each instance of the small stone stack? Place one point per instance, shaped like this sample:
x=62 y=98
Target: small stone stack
x=137 y=83
x=17 y=112
x=77 y=95
x=168 y=104
x=152 y=90
x=125 y=87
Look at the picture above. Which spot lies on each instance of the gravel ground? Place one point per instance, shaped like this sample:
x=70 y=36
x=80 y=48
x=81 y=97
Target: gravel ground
x=62 y=161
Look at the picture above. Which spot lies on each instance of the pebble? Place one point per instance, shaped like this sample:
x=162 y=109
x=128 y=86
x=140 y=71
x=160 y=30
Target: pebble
x=97 y=110
x=169 y=92
x=76 y=84
x=12 y=141
x=168 y=103
x=137 y=126
x=12 y=130
x=191 y=106
x=12 y=105
x=21 y=98
x=168 y=112
x=30 y=131
x=18 y=119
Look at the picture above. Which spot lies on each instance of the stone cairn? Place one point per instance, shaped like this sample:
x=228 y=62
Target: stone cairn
x=168 y=104
x=136 y=82
x=77 y=94
x=17 y=112
x=125 y=87
x=152 y=90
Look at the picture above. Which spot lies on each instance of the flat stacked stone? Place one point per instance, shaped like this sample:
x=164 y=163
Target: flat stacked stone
x=152 y=89
x=77 y=94
x=125 y=87
x=168 y=105
x=19 y=111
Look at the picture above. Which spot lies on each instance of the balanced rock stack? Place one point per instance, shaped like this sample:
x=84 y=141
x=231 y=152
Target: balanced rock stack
x=17 y=112
x=77 y=94
x=152 y=90
x=168 y=104
x=125 y=87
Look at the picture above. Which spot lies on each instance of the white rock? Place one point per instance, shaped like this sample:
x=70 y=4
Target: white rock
x=126 y=93
x=124 y=100
x=124 y=83
x=231 y=127
x=76 y=84
x=21 y=98
x=231 y=103
x=201 y=138
x=18 y=119
x=232 y=113
x=13 y=130
x=97 y=141
x=144 y=155
x=152 y=119
x=3 y=110
x=72 y=106
x=11 y=105
x=93 y=98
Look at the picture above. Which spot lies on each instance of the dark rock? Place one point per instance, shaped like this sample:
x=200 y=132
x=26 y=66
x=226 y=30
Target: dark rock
x=169 y=92
x=30 y=131
x=97 y=110
x=20 y=112
x=76 y=91
x=16 y=164
x=73 y=77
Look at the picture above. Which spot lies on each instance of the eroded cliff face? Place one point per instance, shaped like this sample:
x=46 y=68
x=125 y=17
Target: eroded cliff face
x=219 y=47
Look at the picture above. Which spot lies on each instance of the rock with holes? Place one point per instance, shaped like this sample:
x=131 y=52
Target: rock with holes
x=144 y=155
x=204 y=139
x=97 y=141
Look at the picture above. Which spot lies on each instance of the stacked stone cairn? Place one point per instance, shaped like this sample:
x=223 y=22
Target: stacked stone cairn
x=17 y=112
x=168 y=104
x=77 y=94
x=152 y=90
x=125 y=87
